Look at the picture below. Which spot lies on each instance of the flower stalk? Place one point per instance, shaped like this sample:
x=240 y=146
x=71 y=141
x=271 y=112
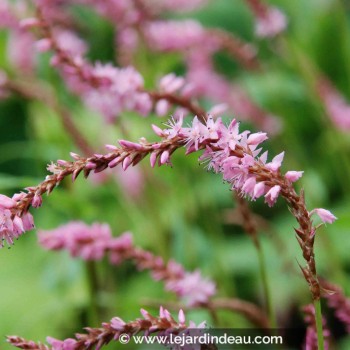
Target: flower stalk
x=319 y=326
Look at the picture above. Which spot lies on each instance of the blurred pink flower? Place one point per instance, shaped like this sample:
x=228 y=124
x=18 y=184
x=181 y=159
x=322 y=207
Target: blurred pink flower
x=174 y=35
x=93 y=242
x=193 y=288
x=269 y=21
x=88 y=242
x=337 y=108
x=19 y=42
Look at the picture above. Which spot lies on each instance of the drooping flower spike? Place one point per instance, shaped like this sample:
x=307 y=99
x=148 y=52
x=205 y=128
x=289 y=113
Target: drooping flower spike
x=162 y=325
x=234 y=154
x=96 y=241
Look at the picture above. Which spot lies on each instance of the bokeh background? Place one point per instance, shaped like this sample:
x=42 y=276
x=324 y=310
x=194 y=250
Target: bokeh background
x=182 y=212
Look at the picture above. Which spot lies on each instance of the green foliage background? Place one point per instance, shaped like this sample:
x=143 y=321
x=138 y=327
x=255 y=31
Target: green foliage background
x=184 y=211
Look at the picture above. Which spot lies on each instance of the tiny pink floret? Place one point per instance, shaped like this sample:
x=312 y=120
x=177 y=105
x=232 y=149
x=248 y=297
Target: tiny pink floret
x=272 y=195
x=293 y=176
x=325 y=215
x=6 y=202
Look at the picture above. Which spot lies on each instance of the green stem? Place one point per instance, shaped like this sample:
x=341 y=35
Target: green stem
x=318 y=317
x=93 y=292
x=267 y=293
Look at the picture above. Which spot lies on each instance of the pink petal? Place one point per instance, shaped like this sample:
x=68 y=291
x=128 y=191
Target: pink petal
x=325 y=215
x=293 y=176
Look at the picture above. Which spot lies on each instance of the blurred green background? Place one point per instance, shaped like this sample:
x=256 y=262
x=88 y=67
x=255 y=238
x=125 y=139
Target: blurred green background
x=183 y=212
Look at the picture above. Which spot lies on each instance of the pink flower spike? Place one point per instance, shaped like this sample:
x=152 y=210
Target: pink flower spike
x=272 y=195
x=6 y=202
x=293 y=176
x=325 y=215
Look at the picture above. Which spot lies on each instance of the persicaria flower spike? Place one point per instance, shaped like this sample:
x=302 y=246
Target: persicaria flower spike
x=234 y=154
x=231 y=153
x=96 y=241
x=163 y=325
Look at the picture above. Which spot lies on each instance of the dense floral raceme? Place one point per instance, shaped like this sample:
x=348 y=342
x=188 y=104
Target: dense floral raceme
x=234 y=154
x=108 y=89
x=162 y=325
x=116 y=59
x=112 y=90
x=95 y=241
